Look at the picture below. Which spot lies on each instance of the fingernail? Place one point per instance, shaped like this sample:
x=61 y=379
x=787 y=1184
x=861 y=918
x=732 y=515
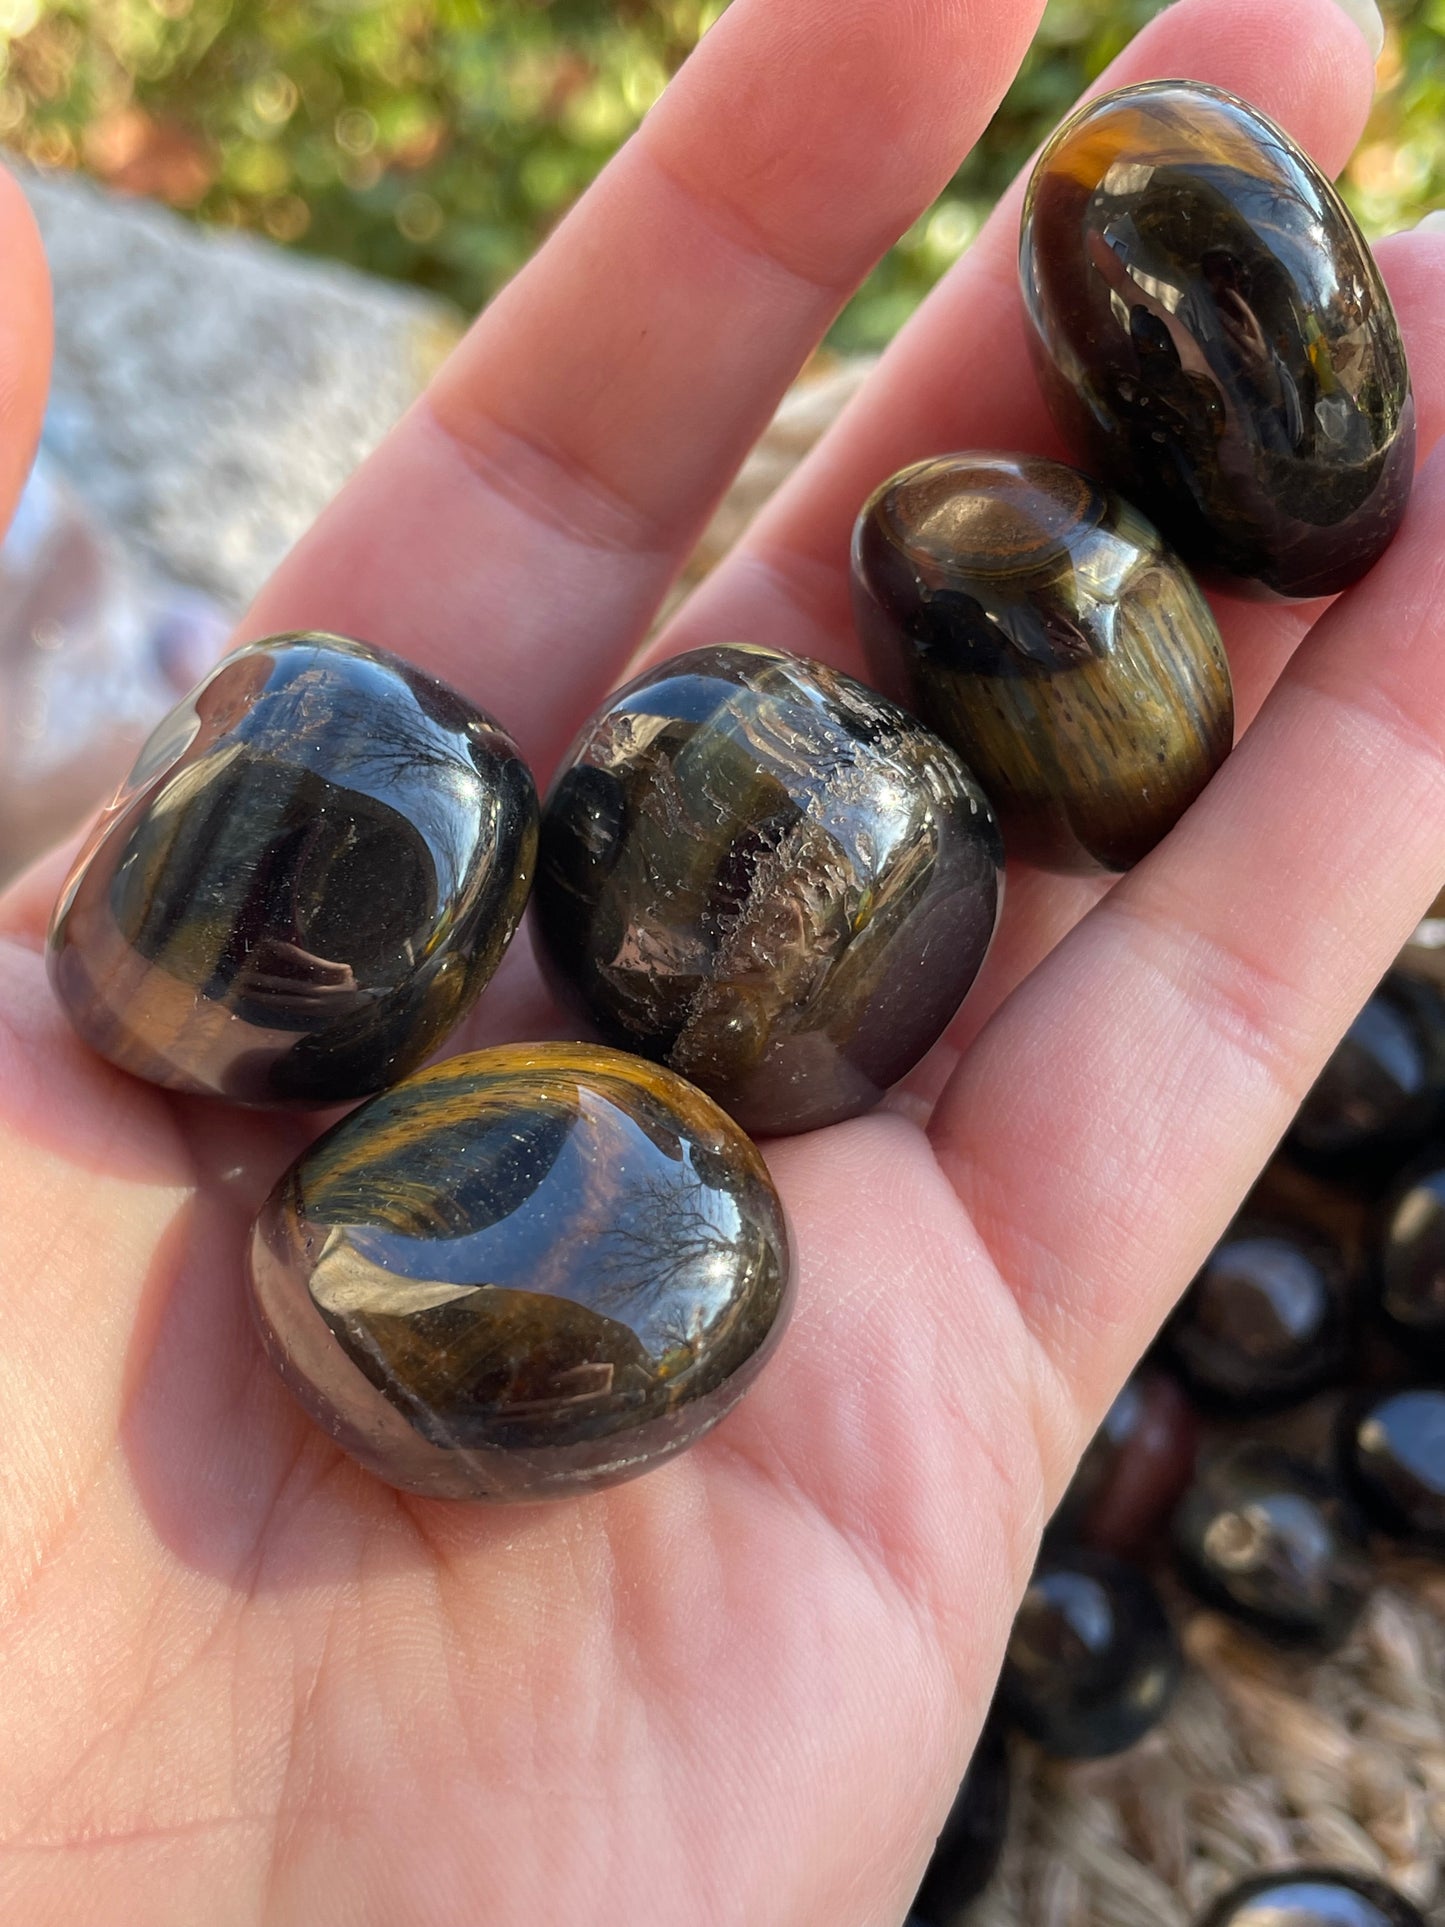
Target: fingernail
x=1366 y=16
x=1432 y=223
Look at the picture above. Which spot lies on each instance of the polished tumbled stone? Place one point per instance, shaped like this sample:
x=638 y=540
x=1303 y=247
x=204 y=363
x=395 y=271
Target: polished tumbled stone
x=1214 y=339
x=523 y=1273
x=968 y=1848
x=1038 y=624
x=1316 y=1201
x=1313 y=1897
x=1383 y=1088
x=1275 y=1542
x=1092 y=1661
x=1393 y=1447
x=1409 y=1257
x=1135 y=1468
x=303 y=885
x=759 y=873
x=1265 y=1323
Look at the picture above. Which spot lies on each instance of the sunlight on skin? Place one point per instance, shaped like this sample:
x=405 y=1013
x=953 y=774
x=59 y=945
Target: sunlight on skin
x=247 y=1684
x=25 y=342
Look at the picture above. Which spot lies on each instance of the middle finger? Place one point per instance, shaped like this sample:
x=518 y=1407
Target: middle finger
x=518 y=529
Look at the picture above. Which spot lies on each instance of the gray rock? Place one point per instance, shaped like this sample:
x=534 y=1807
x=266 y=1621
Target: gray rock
x=212 y=391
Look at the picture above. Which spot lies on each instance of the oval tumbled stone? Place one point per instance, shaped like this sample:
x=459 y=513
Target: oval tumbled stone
x=1266 y=1322
x=1276 y=1542
x=1393 y=1452
x=758 y=872
x=1313 y=1897
x=1038 y=624
x=1383 y=1089
x=1214 y=339
x=523 y=1273
x=1092 y=1662
x=305 y=882
x=1409 y=1259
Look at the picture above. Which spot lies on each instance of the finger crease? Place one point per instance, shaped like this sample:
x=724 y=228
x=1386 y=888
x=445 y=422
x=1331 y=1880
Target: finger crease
x=552 y=487
x=740 y=233
x=1377 y=711
x=1245 y=1001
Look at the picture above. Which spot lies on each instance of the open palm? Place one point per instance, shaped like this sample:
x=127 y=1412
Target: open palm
x=243 y=1682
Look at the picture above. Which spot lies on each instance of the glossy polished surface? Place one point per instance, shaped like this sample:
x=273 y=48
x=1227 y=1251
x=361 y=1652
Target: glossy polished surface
x=1394 y=1451
x=1266 y=1321
x=1384 y=1084
x=968 y=1848
x=1037 y=623
x=1272 y=1540
x=1313 y=1897
x=761 y=874
x=1214 y=339
x=1320 y=1202
x=1410 y=1257
x=523 y=1273
x=1137 y=1464
x=305 y=882
x=1092 y=1661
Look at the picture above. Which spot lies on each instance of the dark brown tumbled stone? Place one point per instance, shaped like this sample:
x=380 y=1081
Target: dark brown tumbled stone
x=1037 y=623
x=522 y=1274
x=758 y=872
x=1393 y=1450
x=1383 y=1089
x=1266 y=1322
x=1322 y=1204
x=1214 y=339
x=1409 y=1258
x=1135 y=1468
x=1092 y=1662
x=1276 y=1542
x=303 y=885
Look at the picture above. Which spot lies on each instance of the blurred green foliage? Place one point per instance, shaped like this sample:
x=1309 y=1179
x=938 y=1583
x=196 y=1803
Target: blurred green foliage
x=437 y=140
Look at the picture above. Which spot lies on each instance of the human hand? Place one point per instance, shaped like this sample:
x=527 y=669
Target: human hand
x=244 y=1682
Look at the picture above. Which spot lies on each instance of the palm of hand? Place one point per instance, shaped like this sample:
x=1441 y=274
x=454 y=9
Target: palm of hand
x=246 y=1683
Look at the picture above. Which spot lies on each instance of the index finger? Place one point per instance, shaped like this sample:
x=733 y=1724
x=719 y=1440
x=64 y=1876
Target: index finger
x=518 y=529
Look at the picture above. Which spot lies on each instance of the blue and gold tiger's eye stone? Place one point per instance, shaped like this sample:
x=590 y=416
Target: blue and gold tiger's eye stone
x=304 y=883
x=523 y=1273
x=1313 y=1897
x=759 y=873
x=1092 y=1662
x=1214 y=339
x=1040 y=626
x=1274 y=1541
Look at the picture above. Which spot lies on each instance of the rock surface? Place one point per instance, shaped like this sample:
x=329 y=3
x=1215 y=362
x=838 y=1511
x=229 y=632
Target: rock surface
x=211 y=391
